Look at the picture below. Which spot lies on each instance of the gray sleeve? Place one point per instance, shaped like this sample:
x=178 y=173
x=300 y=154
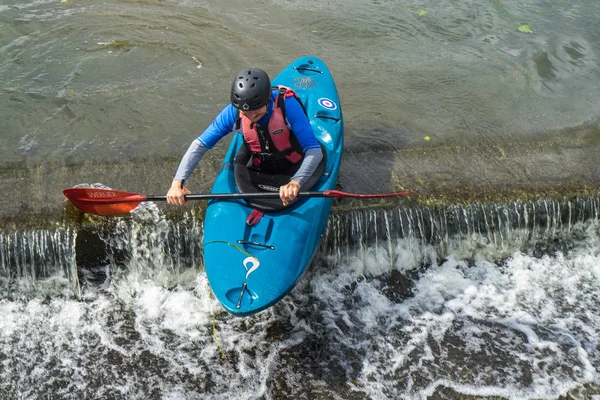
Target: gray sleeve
x=190 y=160
x=310 y=162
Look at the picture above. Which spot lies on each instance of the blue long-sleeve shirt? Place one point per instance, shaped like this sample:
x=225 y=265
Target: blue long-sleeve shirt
x=224 y=123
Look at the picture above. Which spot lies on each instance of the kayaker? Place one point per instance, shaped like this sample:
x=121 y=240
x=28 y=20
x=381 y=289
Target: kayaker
x=256 y=106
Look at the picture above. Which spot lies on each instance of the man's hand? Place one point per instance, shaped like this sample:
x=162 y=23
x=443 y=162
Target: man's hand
x=175 y=195
x=289 y=192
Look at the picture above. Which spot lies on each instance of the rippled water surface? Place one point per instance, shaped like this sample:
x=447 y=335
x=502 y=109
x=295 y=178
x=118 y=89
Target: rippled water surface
x=128 y=80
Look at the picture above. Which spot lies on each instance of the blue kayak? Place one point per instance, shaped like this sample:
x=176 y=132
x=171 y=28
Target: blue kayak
x=252 y=267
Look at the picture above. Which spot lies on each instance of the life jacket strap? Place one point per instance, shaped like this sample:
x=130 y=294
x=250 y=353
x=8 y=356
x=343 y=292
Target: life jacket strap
x=280 y=155
x=254 y=217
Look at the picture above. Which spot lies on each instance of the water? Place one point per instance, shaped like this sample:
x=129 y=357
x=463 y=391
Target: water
x=442 y=95
x=484 y=299
x=400 y=303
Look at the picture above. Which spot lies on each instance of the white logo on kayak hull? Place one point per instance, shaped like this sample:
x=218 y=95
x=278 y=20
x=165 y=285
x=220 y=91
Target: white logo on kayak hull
x=251 y=264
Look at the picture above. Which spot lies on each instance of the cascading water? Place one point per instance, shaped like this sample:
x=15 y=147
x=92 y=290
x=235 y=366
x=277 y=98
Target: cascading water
x=35 y=260
x=482 y=300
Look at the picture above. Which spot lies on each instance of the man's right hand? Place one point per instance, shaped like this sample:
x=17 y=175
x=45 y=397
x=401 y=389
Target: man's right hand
x=175 y=195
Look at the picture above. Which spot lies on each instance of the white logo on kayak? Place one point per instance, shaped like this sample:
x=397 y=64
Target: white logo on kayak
x=251 y=264
x=269 y=188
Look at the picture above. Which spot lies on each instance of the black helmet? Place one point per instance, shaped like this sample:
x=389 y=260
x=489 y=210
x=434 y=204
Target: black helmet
x=251 y=89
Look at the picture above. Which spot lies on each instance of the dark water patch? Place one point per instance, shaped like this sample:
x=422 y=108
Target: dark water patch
x=575 y=51
x=94 y=259
x=545 y=69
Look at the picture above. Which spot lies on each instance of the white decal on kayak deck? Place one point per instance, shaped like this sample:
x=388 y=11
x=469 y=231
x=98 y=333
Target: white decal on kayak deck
x=306 y=82
x=251 y=264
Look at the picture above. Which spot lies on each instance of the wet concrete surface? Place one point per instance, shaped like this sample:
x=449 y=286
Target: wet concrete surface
x=561 y=164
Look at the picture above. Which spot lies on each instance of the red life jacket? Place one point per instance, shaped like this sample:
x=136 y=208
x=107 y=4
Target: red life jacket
x=273 y=147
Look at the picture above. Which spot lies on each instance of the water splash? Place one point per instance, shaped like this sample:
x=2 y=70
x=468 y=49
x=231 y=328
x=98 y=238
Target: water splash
x=504 y=306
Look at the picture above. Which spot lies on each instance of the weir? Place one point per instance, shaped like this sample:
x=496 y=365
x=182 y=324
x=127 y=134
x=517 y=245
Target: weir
x=32 y=256
x=83 y=253
x=489 y=223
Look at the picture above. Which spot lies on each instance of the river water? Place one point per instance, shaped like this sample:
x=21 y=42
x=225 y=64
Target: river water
x=130 y=82
x=483 y=299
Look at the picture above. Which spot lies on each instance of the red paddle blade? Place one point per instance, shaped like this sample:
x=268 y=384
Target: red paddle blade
x=339 y=194
x=103 y=201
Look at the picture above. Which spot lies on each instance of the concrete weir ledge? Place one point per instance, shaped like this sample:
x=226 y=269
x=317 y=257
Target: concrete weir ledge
x=563 y=165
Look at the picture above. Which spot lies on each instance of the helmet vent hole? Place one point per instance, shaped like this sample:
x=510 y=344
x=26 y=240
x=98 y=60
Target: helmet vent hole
x=241 y=85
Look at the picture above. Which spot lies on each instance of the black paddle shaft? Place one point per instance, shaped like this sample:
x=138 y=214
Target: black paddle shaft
x=236 y=196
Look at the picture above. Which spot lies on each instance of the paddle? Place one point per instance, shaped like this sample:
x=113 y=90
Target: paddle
x=113 y=202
